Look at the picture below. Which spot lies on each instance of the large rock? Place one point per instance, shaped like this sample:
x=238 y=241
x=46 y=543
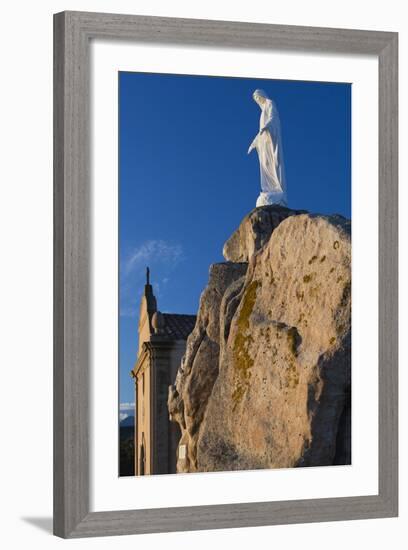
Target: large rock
x=254 y=231
x=199 y=369
x=265 y=382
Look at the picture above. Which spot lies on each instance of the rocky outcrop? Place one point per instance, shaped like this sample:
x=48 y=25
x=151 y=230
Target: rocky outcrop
x=188 y=398
x=255 y=231
x=265 y=382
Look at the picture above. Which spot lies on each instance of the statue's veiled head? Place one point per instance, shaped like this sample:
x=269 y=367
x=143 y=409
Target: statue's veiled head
x=260 y=97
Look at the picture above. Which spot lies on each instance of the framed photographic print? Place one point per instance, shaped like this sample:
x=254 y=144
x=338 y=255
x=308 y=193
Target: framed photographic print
x=225 y=274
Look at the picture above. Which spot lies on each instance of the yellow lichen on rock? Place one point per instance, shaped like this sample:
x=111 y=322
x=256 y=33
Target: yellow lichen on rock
x=243 y=361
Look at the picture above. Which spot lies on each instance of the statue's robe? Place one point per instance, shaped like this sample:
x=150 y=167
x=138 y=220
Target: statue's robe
x=268 y=144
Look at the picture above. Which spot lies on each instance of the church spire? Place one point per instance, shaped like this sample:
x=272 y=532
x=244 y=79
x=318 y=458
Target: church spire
x=148 y=307
x=148 y=293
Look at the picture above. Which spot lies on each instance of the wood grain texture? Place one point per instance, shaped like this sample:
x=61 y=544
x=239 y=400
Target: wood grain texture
x=72 y=202
x=388 y=273
x=72 y=281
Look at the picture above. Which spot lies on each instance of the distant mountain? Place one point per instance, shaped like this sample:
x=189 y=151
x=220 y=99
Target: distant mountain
x=129 y=421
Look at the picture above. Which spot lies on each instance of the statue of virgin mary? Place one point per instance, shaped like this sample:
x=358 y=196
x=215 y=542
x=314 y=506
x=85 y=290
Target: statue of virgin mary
x=268 y=144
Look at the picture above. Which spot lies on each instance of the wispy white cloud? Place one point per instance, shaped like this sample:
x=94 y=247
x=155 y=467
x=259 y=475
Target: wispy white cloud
x=160 y=255
x=128 y=311
x=127 y=406
x=152 y=251
x=122 y=416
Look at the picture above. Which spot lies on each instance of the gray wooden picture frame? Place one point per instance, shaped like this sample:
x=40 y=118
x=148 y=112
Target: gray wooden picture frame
x=72 y=34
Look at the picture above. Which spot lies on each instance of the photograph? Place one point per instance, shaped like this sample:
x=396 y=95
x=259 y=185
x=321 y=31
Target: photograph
x=235 y=274
x=214 y=350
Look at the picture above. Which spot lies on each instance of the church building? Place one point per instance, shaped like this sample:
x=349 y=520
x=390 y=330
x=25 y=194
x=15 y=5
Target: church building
x=162 y=344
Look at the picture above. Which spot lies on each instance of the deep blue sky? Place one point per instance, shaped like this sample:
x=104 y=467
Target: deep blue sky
x=186 y=180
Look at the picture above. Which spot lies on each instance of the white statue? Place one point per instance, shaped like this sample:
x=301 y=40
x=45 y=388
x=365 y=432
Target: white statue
x=268 y=144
